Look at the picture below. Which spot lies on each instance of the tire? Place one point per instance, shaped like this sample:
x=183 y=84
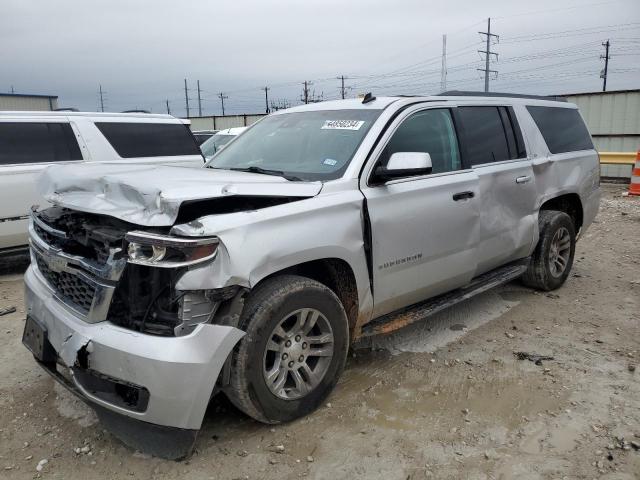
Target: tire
x=543 y=273
x=284 y=301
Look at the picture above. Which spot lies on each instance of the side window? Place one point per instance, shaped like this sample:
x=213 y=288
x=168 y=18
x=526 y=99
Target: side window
x=513 y=132
x=489 y=135
x=45 y=142
x=429 y=131
x=133 y=140
x=562 y=128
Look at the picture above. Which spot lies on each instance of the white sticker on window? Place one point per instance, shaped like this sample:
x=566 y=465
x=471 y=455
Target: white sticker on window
x=330 y=161
x=342 y=124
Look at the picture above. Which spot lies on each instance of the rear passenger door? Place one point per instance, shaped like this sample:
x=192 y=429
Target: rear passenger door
x=26 y=148
x=495 y=148
x=423 y=228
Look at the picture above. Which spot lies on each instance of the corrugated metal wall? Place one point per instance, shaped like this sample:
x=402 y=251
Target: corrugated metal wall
x=218 y=122
x=610 y=112
x=28 y=103
x=613 y=119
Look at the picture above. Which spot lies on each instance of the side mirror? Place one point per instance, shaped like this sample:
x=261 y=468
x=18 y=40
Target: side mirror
x=405 y=164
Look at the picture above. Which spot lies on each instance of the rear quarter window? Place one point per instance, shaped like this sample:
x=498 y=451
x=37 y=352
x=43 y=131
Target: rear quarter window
x=133 y=140
x=37 y=142
x=562 y=128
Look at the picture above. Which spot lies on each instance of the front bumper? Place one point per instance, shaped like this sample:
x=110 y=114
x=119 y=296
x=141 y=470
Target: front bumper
x=179 y=373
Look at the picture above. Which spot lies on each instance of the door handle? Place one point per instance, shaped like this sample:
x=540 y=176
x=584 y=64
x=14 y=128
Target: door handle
x=463 y=195
x=523 y=179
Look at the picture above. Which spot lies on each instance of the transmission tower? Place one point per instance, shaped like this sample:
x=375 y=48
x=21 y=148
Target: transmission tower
x=487 y=59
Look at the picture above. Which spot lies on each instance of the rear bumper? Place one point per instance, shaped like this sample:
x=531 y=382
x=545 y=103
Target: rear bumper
x=178 y=373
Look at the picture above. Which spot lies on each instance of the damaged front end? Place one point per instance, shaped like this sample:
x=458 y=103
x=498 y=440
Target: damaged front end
x=106 y=320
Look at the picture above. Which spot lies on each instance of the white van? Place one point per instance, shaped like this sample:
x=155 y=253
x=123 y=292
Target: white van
x=31 y=141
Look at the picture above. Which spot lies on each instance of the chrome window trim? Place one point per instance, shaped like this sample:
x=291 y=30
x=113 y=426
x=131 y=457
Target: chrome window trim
x=367 y=172
x=423 y=177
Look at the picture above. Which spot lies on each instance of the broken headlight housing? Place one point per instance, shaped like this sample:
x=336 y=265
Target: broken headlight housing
x=156 y=250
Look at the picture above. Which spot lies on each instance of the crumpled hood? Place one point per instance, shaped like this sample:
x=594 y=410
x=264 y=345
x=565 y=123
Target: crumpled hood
x=152 y=195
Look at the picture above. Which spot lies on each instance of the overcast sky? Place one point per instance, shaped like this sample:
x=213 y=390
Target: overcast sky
x=140 y=51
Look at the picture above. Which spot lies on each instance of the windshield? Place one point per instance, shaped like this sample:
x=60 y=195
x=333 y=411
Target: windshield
x=315 y=145
x=211 y=146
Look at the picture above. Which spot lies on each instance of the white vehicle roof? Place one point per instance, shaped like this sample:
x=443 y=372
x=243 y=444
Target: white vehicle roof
x=231 y=131
x=99 y=116
x=382 y=102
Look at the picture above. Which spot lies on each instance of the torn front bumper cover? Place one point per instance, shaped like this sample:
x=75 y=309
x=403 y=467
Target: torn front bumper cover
x=151 y=392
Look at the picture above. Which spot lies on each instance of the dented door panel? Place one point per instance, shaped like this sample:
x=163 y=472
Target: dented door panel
x=508 y=213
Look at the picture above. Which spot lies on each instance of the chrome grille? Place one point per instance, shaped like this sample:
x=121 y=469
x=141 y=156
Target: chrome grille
x=70 y=288
x=85 y=285
x=43 y=234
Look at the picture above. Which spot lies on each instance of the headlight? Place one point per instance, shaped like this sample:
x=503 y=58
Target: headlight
x=155 y=250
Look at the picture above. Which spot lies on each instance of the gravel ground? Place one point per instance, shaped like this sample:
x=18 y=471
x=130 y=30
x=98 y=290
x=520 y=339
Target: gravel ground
x=443 y=399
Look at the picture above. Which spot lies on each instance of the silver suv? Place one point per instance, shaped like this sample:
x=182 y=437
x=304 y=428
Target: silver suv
x=153 y=288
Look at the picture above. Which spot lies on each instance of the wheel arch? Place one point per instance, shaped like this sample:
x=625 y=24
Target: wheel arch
x=571 y=204
x=336 y=274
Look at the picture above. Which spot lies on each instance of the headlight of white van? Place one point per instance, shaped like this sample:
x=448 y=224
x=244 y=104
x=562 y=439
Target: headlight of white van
x=155 y=250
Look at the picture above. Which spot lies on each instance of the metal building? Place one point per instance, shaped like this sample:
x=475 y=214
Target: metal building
x=613 y=119
x=22 y=102
x=219 y=122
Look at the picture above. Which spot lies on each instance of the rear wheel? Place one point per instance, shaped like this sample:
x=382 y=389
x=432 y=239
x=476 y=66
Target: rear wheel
x=553 y=257
x=293 y=352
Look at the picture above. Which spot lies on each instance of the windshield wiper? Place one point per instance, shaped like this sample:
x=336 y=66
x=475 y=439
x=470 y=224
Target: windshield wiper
x=267 y=171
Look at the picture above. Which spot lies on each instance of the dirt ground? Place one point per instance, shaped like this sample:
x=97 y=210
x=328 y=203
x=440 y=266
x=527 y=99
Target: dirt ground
x=443 y=399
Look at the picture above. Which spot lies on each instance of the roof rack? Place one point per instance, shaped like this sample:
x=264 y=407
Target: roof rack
x=135 y=110
x=461 y=93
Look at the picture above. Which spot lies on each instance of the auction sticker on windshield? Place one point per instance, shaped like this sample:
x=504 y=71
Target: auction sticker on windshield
x=342 y=124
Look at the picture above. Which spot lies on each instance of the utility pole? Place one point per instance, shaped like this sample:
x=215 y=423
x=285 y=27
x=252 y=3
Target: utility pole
x=199 y=101
x=342 y=89
x=222 y=98
x=168 y=109
x=606 y=58
x=101 y=99
x=488 y=54
x=186 y=97
x=12 y=90
x=305 y=91
x=266 y=99
x=443 y=71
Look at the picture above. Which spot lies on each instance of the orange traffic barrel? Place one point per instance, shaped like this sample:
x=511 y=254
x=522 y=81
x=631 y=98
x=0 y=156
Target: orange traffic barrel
x=634 y=187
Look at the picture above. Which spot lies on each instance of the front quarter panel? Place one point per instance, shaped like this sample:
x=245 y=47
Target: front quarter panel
x=256 y=244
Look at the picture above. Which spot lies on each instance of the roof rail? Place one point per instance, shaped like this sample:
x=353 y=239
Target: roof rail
x=462 y=93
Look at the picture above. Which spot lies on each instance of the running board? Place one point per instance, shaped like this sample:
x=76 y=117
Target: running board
x=420 y=311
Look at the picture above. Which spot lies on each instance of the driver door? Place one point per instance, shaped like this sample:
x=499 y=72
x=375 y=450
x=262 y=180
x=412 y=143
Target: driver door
x=424 y=228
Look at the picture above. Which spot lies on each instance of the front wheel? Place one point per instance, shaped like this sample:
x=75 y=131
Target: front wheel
x=294 y=350
x=553 y=257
